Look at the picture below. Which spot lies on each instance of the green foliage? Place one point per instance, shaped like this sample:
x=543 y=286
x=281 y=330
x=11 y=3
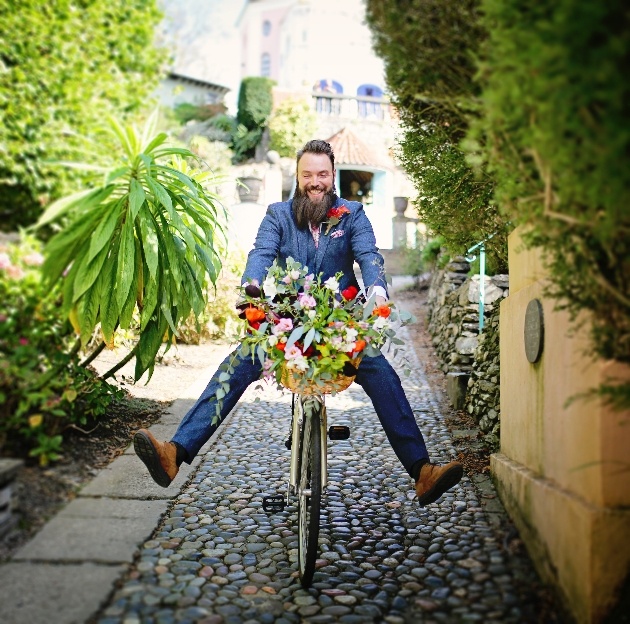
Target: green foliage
x=429 y=47
x=432 y=250
x=187 y=111
x=291 y=125
x=219 y=318
x=556 y=80
x=43 y=389
x=144 y=238
x=63 y=67
x=255 y=103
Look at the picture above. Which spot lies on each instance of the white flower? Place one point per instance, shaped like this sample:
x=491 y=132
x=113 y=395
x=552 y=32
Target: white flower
x=381 y=323
x=294 y=274
x=332 y=284
x=351 y=334
x=272 y=340
x=269 y=287
x=311 y=314
x=298 y=363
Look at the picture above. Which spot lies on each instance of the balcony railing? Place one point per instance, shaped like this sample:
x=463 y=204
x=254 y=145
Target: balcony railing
x=351 y=106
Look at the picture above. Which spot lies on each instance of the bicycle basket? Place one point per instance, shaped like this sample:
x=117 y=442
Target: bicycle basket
x=295 y=381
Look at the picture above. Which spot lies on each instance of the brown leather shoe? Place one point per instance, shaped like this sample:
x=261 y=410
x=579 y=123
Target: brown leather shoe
x=158 y=457
x=434 y=480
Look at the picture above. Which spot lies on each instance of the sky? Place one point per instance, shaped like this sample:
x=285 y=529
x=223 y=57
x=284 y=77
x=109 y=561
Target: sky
x=204 y=38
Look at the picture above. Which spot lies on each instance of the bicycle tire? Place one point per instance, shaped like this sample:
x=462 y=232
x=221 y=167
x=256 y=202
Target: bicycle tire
x=309 y=491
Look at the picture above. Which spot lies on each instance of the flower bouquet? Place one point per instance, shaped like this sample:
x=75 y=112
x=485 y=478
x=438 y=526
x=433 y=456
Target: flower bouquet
x=309 y=335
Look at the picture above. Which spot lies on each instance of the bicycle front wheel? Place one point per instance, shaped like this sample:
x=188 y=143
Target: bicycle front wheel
x=309 y=490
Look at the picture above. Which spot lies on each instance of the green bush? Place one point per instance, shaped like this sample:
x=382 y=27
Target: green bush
x=556 y=87
x=219 y=320
x=186 y=112
x=143 y=237
x=429 y=48
x=43 y=388
x=291 y=125
x=63 y=67
x=255 y=103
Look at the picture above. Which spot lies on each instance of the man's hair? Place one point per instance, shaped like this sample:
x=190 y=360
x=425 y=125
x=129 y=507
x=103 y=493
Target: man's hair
x=316 y=146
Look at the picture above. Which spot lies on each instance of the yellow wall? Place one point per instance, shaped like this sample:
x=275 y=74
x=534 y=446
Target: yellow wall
x=564 y=467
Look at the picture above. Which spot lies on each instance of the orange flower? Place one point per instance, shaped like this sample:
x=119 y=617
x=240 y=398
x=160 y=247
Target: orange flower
x=359 y=345
x=281 y=346
x=253 y=314
x=382 y=310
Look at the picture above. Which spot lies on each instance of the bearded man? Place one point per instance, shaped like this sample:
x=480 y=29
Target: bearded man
x=294 y=229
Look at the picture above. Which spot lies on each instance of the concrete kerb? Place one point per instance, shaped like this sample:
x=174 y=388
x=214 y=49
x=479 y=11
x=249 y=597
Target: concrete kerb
x=67 y=571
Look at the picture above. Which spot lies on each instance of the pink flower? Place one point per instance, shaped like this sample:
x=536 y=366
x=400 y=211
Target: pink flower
x=23 y=341
x=284 y=325
x=287 y=279
x=308 y=281
x=292 y=352
x=15 y=272
x=306 y=301
x=3 y=318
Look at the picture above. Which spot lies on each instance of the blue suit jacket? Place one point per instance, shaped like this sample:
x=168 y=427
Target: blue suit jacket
x=351 y=239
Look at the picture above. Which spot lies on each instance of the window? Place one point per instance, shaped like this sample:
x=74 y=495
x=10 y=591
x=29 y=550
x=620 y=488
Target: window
x=265 y=65
x=266 y=28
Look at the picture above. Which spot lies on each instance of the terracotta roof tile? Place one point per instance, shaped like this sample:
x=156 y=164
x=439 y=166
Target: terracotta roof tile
x=351 y=150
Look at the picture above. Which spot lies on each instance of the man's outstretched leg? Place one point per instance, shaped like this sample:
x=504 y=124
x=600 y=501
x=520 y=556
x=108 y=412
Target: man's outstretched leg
x=164 y=458
x=382 y=384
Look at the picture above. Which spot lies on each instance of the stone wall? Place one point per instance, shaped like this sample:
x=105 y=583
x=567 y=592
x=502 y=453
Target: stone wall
x=470 y=361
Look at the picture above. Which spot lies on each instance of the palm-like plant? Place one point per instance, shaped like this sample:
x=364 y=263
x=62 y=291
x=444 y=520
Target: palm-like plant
x=144 y=239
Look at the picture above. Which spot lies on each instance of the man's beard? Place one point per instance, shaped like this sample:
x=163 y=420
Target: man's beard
x=307 y=211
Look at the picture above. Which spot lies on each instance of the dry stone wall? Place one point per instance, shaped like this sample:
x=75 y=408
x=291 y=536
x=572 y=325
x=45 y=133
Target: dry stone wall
x=470 y=360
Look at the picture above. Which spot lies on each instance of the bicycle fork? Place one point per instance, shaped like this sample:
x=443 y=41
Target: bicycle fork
x=296 y=428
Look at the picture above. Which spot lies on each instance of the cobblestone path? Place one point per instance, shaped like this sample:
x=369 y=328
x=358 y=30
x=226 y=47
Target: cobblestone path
x=218 y=558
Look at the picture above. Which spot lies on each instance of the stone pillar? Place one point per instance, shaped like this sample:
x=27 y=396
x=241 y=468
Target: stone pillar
x=563 y=472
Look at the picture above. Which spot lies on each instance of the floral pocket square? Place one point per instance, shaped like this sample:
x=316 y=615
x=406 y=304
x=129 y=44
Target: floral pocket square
x=337 y=234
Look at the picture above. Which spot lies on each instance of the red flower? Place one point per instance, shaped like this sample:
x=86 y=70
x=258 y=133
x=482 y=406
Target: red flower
x=382 y=310
x=337 y=212
x=281 y=346
x=349 y=293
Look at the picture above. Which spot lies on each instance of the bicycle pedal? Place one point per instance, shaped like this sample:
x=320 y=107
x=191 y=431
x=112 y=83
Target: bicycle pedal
x=273 y=504
x=338 y=432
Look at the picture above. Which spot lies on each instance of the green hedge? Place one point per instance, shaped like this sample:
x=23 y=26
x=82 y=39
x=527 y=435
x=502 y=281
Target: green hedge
x=255 y=103
x=63 y=67
x=429 y=47
x=556 y=92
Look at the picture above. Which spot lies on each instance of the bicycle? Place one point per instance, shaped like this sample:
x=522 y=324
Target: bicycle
x=308 y=473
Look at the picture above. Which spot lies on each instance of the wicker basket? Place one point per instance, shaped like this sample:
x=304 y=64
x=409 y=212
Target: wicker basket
x=294 y=381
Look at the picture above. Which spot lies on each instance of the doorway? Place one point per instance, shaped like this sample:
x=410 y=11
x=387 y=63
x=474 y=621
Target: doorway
x=356 y=185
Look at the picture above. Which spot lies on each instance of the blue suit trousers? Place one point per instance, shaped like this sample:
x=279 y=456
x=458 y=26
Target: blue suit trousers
x=375 y=374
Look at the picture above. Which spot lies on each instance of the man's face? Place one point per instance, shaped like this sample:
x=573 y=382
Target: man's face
x=315 y=175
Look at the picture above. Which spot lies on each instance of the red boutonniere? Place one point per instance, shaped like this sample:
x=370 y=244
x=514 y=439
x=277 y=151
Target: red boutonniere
x=334 y=216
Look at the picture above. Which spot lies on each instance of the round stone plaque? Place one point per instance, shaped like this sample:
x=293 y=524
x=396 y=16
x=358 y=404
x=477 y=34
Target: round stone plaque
x=534 y=331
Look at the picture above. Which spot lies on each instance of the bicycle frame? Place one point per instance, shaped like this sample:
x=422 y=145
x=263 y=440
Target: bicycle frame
x=297 y=420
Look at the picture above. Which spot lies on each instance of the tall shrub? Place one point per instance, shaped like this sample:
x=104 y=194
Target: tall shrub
x=429 y=47
x=556 y=88
x=64 y=66
x=255 y=103
x=291 y=125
